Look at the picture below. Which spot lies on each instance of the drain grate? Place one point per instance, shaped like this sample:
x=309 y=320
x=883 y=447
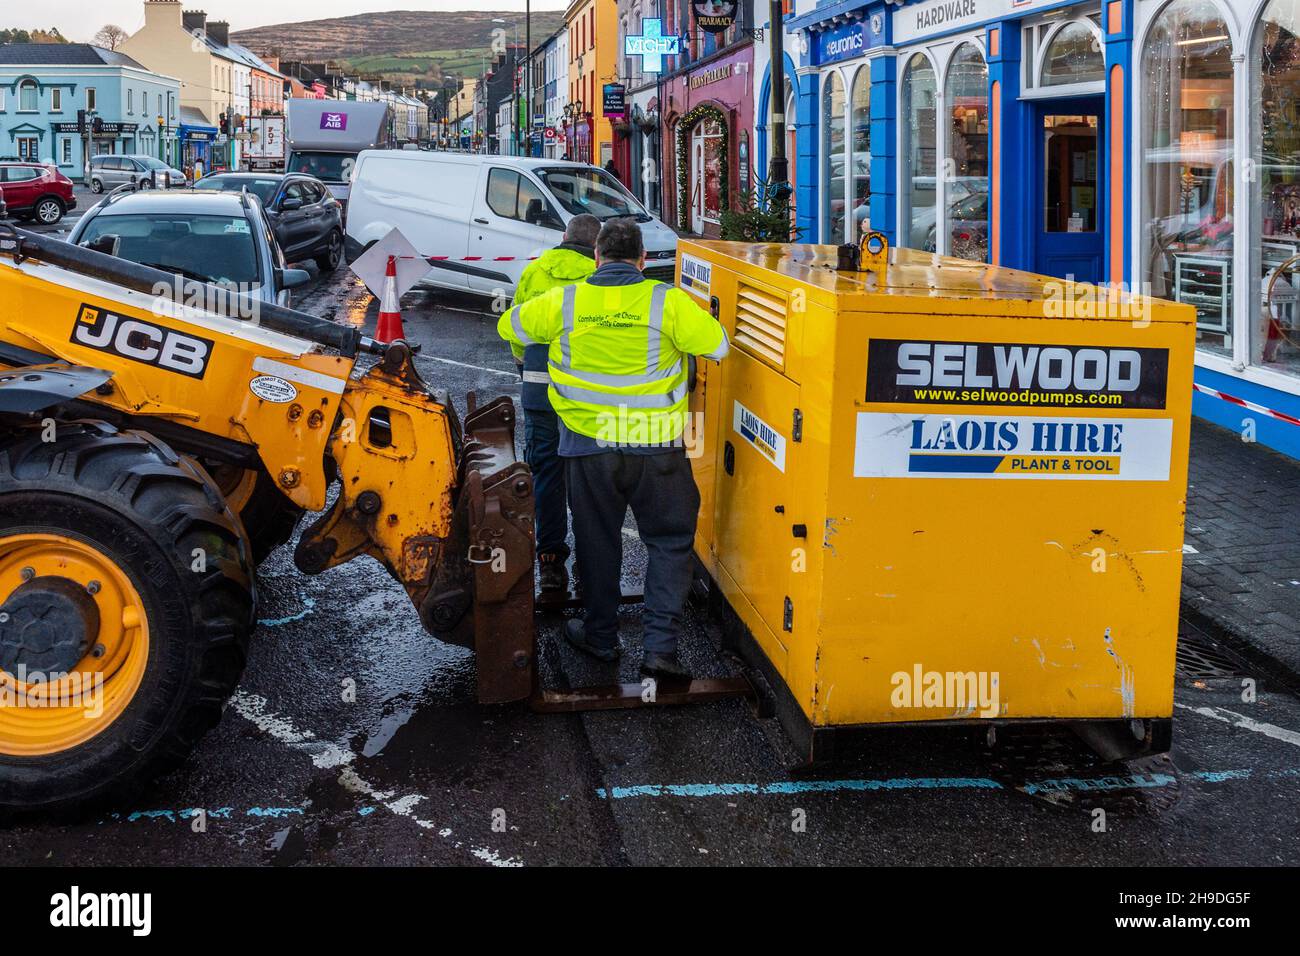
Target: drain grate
x=1201 y=657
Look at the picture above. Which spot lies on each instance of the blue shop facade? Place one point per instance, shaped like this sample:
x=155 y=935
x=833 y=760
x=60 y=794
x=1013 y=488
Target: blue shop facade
x=1149 y=143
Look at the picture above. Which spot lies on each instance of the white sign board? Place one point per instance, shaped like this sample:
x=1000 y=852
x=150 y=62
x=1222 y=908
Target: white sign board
x=1012 y=446
x=767 y=441
x=936 y=17
x=372 y=265
x=695 y=276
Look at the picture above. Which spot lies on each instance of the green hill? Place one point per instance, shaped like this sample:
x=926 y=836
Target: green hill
x=407 y=44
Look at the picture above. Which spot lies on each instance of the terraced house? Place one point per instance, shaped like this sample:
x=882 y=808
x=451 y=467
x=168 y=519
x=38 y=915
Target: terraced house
x=221 y=81
x=43 y=86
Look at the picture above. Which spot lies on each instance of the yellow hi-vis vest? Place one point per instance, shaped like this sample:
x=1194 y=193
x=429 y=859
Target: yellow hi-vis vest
x=617 y=356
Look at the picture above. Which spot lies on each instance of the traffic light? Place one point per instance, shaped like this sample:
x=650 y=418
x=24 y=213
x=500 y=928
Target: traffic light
x=81 y=121
x=225 y=125
x=97 y=126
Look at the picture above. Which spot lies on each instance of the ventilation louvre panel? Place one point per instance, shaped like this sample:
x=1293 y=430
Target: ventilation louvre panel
x=761 y=324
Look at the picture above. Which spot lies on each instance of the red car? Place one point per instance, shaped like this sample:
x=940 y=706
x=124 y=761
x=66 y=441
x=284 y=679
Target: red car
x=34 y=191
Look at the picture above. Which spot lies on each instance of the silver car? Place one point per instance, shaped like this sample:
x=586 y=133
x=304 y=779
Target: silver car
x=109 y=172
x=218 y=238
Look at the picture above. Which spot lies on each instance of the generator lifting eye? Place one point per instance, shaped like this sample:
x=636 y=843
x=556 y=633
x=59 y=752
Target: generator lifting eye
x=875 y=251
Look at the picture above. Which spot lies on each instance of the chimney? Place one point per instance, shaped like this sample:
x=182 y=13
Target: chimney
x=194 y=20
x=162 y=12
x=219 y=31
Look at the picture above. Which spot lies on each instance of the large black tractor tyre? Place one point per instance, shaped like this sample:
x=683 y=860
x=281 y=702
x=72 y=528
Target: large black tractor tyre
x=268 y=516
x=165 y=538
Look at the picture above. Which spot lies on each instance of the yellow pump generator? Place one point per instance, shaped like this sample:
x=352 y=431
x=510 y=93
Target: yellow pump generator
x=935 y=491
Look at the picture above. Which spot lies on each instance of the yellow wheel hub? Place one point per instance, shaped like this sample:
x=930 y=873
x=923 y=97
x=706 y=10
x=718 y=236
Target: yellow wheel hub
x=44 y=713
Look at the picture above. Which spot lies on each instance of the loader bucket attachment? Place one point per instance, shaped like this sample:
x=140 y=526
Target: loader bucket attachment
x=488 y=562
x=446 y=508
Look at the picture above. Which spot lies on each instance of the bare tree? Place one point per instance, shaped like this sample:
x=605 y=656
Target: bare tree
x=110 y=36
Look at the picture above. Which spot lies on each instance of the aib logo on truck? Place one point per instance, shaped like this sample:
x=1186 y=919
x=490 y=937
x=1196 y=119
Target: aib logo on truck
x=141 y=341
x=334 y=121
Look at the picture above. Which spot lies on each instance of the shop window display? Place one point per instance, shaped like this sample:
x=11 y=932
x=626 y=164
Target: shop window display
x=917 y=189
x=1187 y=166
x=1275 y=141
x=834 y=155
x=860 y=116
x=967 y=171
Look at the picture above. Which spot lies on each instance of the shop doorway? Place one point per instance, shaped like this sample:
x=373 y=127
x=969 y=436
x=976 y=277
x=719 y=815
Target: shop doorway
x=1069 y=228
x=706 y=175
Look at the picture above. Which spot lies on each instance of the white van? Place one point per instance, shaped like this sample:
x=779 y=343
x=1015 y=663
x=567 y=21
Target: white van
x=500 y=210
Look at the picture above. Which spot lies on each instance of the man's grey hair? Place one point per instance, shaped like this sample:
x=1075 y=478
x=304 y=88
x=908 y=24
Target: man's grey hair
x=620 y=239
x=582 y=230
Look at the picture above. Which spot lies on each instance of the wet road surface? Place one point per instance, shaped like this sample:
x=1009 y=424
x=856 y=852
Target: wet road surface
x=355 y=739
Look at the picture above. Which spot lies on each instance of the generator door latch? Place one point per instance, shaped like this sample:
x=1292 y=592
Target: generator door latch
x=796 y=426
x=787 y=620
x=729 y=458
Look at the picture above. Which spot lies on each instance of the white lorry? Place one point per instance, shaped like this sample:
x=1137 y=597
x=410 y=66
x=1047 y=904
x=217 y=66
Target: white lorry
x=264 y=148
x=325 y=136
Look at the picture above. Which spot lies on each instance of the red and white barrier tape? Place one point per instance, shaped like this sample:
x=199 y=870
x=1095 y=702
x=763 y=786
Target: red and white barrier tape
x=472 y=258
x=1251 y=406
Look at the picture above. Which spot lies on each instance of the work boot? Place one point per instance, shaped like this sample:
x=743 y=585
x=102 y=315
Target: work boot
x=664 y=666
x=575 y=633
x=551 y=575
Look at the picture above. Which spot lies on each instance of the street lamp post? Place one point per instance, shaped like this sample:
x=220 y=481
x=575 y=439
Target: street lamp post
x=528 y=74
x=778 y=174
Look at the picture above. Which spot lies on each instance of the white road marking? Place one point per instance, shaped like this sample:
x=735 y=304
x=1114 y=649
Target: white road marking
x=327 y=755
x=477 y=368
x=1223 y=715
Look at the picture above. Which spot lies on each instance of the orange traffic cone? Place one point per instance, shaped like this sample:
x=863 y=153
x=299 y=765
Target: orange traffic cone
x=389 y=328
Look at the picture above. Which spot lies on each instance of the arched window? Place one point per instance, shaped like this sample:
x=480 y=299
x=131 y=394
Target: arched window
x=1074 y=55
x=1187 y=167
x=917 y=184
x=966 y=98
x=833 y=159
x=27 y=96
x=1275 y=144
x=860 y=157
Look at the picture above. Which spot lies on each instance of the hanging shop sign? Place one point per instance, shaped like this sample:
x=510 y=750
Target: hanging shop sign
x=652 y=46
x=614 y=100
x=714 y=16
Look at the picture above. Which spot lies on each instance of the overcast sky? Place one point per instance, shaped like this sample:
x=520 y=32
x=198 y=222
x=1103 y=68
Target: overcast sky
x=79 y=19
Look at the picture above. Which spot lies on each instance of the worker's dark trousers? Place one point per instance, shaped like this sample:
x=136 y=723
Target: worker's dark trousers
x=661 y=491
x=542 y=452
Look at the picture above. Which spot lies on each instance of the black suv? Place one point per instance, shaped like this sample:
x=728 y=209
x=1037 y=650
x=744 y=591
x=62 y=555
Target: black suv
x=306 y=219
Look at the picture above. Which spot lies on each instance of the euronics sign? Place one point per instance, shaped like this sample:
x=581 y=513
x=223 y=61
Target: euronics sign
x=652 y=46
